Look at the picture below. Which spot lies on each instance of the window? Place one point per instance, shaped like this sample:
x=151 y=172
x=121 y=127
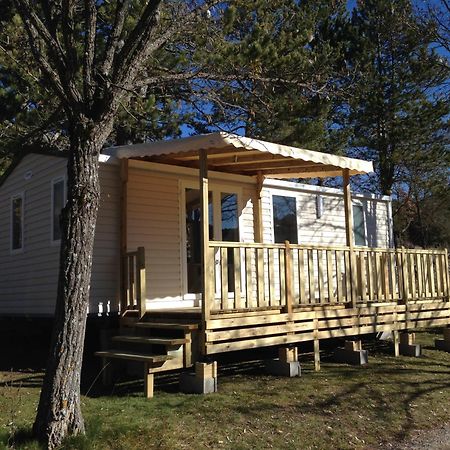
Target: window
x=17 y=222
x=58 y=202
x=284 y=219
x=359 y=228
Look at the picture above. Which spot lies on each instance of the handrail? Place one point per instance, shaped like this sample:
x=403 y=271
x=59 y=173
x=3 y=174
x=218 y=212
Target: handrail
x=245 y=276
x=134 y=281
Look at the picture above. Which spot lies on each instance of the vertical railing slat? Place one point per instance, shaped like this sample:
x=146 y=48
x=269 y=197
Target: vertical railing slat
x=260 y=277
x=320 y=276
x=301 y=276
x=248 y=278
x=237 y=278
x=329 y=257
x=224 y=278
x=312 y=286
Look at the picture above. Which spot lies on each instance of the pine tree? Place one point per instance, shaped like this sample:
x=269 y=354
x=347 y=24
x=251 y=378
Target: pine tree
x=398 y=110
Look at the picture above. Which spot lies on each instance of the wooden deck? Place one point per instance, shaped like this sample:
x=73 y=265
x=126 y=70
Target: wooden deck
x=281 y=294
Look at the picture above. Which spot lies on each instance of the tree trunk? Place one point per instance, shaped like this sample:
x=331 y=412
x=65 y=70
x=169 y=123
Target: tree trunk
x=59 y=411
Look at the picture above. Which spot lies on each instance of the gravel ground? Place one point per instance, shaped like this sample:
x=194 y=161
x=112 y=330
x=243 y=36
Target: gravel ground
x=437 y=439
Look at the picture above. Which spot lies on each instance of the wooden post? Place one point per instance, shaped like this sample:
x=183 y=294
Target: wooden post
x=349 y=235
x=141 y=288
x=204 y=238
x=257 y=210
x=148 y=382
x=123 y=234
x=289 y=278
x=316 y=346
x=446 y=276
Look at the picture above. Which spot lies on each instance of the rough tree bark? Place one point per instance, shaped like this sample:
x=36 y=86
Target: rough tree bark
x=59 y=411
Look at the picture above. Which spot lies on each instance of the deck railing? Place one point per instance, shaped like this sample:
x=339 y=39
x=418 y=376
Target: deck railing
x=254 y=276
x=133 y=281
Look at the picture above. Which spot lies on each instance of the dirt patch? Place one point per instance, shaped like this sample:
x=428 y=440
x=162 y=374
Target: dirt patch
x=436 y=439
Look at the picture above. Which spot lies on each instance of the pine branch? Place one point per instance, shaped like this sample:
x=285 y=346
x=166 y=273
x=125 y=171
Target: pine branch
x=53 y=60
x=114 y=37
x=89 y=50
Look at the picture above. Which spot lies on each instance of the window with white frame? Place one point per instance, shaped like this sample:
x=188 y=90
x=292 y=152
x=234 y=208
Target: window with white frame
x=58 y=202
x=284 y=219
x=359 y=225
x=17 y=222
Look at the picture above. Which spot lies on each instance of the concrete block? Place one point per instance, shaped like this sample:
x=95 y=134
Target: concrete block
x=190 y=383
x=287 y=354
x=414 y=350
x=442 y=344
x=354 y=357
x=283 y=368
x=206 y=370
x=446 y=333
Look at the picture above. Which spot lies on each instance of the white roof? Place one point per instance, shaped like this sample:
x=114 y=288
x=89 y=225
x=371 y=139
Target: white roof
x=243 y=155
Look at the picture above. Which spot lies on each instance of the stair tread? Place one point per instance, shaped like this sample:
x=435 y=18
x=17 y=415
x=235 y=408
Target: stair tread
x=151 y=340
x=175 y=325
x=134 y=356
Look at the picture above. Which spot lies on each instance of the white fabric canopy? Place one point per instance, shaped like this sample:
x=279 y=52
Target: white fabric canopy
x=242 y=155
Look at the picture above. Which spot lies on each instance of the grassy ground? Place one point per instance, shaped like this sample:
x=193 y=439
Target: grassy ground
x=338 y=407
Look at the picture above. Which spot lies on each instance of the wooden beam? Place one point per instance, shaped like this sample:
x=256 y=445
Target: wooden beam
x=269 y=164
x=141 y=288
x=204 y=237
x=123 y=233
x=257 y=210
x=348 y=209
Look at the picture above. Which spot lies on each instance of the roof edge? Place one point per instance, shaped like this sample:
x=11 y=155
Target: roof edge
x=25 y=151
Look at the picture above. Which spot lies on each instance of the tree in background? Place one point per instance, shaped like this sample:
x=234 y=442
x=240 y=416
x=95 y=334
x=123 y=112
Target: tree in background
x=295 y=70
x=397 y=110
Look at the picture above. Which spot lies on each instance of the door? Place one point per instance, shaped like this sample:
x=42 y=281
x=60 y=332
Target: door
x=224 y=214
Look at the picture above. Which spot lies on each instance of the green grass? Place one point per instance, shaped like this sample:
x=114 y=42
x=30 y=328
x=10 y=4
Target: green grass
x=338 y=407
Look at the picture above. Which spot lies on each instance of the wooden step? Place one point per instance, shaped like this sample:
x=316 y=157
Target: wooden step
x=175 y=314
x=132 y=356
x=168 y=325
x=150 y=340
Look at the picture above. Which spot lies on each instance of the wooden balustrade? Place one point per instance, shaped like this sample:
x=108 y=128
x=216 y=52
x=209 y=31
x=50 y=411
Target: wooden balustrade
x=254 y=276
x=133 y=281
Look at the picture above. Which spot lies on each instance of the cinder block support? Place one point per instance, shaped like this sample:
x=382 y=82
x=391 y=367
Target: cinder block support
x=203 y=381
x=408 y=346
x=287 y=365
x=444 y=344
x=352 y=353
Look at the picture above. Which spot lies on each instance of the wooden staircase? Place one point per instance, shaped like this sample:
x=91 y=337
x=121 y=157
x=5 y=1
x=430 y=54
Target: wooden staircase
x=163 y=340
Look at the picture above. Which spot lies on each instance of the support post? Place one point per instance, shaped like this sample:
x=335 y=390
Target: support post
x=257 y=210
x=148 y=382
x=349 y=235
x=395 y=339
x=446 y=276
x=316 y=346
x=123 y=234
x=141 y=288
x=204 y=238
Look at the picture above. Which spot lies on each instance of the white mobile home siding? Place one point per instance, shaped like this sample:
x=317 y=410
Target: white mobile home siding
x=155 y=219
x=329 y=229
x=28 y=278
x=155 y=206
